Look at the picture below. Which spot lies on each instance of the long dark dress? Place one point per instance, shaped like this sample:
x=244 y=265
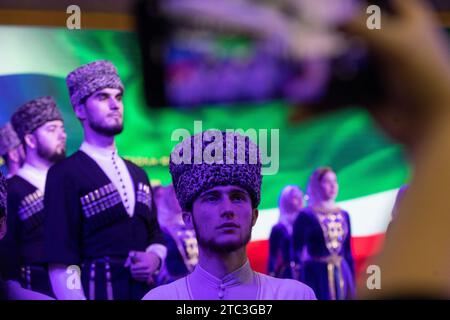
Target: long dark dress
x=329 y=269
x=281 y=255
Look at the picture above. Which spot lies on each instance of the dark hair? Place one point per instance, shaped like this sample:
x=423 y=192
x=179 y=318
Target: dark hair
x=2 y=196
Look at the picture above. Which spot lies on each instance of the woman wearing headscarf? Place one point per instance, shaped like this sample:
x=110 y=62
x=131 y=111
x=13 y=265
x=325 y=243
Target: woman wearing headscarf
x=324 y=230
x=281 y=257
x=181 y=243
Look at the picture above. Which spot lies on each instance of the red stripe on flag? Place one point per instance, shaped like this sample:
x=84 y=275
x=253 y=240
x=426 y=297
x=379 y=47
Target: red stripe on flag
x=258 y=254
x=362 y=248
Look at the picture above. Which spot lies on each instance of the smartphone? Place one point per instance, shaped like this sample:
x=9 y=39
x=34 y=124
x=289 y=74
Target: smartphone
x=222 y=52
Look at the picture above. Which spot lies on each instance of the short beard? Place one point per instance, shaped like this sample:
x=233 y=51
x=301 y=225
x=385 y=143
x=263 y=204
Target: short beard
x=51 y=156
x=106 y=131
x=211 y=245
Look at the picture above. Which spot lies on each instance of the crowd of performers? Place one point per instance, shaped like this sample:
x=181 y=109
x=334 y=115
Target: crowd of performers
x=90 y=225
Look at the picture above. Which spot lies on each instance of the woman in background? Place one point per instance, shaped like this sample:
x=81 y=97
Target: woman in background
x=181 y=243
x=281 y=258
x=324 y=230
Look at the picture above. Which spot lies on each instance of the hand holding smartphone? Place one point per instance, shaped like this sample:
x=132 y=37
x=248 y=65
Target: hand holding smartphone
x=234 y=51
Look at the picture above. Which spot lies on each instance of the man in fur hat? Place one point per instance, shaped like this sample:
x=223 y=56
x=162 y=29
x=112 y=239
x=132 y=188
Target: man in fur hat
x=39 y=125
x=11 y=149
x=11 y=290
x=100 y=209
x=218 y=186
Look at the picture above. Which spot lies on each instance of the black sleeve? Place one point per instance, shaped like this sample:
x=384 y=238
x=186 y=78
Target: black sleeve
x=274 y=245
x=174 y=261
x=156 y=235
x=63 y=218
x=299 y=235
x=9 y=246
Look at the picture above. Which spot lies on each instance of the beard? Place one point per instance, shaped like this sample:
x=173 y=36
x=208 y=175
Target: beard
x=212 y=245
x=108 y=130
x=49 y=154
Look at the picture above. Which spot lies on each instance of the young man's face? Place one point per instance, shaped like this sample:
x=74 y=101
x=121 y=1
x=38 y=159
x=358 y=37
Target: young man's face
x=50 y=140
x=222 y=218
x=103 y=111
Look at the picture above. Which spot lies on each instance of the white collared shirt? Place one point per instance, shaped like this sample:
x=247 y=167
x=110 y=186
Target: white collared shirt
x=241 y=284
x=116 y=170
x=33 y=175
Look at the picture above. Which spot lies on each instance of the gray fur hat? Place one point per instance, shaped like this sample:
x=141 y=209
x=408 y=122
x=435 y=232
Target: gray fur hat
x=233 y=160
x=91 y=77
x=8 y=139
x=34 y=114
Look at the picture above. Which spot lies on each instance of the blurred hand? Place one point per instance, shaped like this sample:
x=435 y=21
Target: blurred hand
x=143 y=265
x=413 y=55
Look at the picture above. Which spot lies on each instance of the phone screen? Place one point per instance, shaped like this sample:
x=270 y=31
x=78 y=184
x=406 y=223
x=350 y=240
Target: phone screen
x=236 y=51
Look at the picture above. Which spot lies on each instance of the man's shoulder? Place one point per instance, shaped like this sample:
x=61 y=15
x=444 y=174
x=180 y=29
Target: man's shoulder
x=68 y=161
x=132 y=166
x=17 y=184
x=176 y=290
x=285 y=289
x=68 y=164
x=17 y=188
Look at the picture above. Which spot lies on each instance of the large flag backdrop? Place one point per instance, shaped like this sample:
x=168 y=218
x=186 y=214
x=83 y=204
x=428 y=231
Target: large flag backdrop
x=370 y=168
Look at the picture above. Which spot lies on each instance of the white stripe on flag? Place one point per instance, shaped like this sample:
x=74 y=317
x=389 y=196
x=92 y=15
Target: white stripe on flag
x=369 y=215
x=25 y=50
